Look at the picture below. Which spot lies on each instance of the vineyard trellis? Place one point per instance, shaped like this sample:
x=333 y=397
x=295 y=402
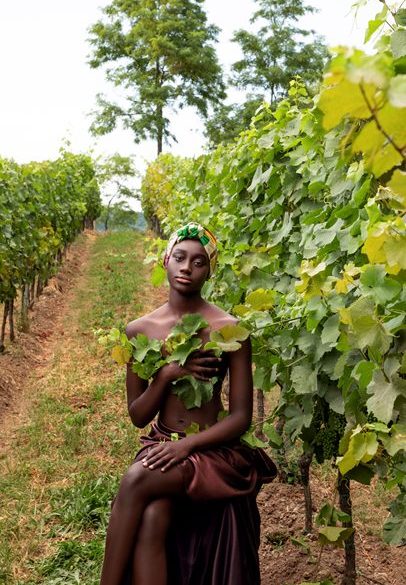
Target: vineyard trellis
x=43 y=207
x=310 y=211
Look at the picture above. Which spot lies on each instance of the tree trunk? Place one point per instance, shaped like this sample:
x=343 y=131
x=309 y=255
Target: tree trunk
x=281 y=460
x=11 y=319
x=3 y=325
x=350 y=572
x=260 y=414
x=159 y=110
x=159 y=139
x=305 y=461
x=39 y=286
x=32 y=294
x=23 y=324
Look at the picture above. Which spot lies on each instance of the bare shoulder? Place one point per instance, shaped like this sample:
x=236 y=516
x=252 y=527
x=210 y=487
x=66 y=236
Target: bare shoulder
x=146 y=324
x=219 y=318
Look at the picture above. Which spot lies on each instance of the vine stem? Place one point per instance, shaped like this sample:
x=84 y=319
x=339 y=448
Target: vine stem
x=379 y=125
x=389 y=10
x=277 y=323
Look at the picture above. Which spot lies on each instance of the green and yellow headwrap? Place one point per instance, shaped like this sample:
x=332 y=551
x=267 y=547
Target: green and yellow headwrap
x=194 y=231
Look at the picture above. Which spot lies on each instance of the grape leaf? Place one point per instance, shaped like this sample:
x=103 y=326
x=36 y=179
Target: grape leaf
x=376 y=23
x=397 y=184
x=272 y=435
x=304 y=378
x=190 y=324
x=396 y=441
x=397 y=91
x=121 y=355
x=335 y=535
x=143 y=345
x=362 y=448
x=394 y=530
x=260 y=299
x=183 y=350
x=250 y=439
x=365 y=329
x=193 y=393
x=383 y=394
x=227 y=338
x=374 y=283
x=398 y=43
x=192 y=429
x=331 y=331
x=361 y=473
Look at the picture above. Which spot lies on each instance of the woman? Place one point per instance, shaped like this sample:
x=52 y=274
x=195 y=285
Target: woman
x=202 y=487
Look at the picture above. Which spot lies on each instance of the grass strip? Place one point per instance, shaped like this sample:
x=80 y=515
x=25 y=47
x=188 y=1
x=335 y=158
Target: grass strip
x=57 y=483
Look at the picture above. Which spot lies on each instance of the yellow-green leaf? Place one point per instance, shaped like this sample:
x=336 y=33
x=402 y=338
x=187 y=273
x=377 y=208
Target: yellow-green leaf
x=121 y=355
x=341 y=100
x=260 y=299
x=398 y=185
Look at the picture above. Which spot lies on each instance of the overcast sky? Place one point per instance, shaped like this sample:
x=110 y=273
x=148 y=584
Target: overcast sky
x=48 y=89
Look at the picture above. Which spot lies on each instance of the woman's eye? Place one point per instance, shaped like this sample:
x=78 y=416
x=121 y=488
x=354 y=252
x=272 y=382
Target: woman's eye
x=178 y=258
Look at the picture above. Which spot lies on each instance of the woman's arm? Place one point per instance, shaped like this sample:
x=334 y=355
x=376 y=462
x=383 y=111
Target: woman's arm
x=234 y=425
x=145 y=400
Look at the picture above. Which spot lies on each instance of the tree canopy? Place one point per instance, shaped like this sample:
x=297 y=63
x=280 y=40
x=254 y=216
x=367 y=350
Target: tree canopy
x=161 y=54
x=274 y=54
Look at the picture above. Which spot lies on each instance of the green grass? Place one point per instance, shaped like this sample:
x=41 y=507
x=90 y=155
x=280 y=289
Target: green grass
x=57 y=483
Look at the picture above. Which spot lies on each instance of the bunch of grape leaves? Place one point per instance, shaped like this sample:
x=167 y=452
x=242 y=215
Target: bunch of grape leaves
x=147 y=355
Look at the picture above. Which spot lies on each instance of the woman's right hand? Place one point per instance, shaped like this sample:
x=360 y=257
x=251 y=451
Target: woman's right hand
x=203 y=365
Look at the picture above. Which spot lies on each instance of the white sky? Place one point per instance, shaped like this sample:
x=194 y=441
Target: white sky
x=48 y=89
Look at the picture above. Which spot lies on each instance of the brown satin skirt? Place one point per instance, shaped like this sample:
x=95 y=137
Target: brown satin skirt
x=215 y=530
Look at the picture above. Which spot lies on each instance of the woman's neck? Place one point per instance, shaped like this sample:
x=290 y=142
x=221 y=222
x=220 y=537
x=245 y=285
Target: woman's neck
x=181 y=304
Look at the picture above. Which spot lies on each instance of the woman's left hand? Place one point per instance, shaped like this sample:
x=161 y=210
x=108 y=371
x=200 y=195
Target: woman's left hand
x=167 y=454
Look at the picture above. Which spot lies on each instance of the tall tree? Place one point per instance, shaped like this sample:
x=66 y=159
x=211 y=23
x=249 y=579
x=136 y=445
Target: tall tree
x=160 y=52
x=278 y=51
x=113 y=173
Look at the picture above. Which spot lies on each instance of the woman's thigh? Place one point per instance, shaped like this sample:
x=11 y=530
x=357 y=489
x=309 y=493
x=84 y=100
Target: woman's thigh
x=150 y=484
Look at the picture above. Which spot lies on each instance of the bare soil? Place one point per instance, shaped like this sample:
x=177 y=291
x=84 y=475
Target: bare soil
x=34 y=349
x=284 y=561
x=288 y=557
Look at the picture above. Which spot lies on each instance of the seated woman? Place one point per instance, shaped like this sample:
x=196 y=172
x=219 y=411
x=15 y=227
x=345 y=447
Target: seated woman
x=185 y=512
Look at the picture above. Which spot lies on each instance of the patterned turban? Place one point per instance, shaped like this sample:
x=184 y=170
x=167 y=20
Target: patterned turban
x=194 y=231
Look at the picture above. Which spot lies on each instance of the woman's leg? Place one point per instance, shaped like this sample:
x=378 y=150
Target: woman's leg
x=150 y=567
x=138 y=488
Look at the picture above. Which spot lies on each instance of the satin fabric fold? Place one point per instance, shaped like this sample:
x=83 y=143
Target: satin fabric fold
x=215 y=529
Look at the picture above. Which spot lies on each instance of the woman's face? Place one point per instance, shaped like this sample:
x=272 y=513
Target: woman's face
x=188 y=266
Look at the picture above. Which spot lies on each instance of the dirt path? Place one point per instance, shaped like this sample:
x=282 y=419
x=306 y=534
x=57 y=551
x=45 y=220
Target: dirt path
x=32 y=352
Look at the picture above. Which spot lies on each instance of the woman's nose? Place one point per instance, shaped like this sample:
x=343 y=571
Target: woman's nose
x=186 y=267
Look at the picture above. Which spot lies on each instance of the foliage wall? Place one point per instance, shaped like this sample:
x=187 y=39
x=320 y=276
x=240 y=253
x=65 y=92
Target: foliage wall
x=43 y=206
x=309 y=211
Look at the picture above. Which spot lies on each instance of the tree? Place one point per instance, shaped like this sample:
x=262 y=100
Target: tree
x=120 y=216
x=229 y=120
x=273 y=55
x=112 y=174
x=278 y=52
x=160 y=53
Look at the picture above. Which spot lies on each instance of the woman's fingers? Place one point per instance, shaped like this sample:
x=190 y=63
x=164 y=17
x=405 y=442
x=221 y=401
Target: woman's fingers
x=156 y=460
x=209 y=361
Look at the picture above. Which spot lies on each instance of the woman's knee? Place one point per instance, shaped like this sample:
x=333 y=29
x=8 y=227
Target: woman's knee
x=133 y=482
x=155 y=522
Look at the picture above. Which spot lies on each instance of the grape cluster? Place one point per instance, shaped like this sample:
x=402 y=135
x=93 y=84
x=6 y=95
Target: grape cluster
x=328 y=427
